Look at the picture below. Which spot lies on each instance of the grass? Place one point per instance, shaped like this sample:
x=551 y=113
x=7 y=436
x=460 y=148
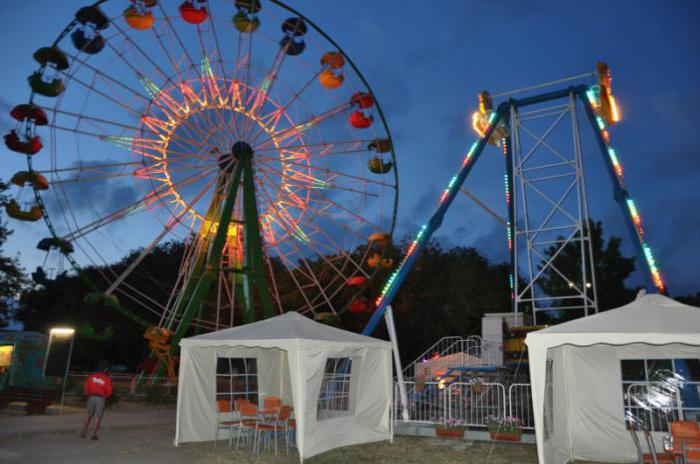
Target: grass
x=404 y=450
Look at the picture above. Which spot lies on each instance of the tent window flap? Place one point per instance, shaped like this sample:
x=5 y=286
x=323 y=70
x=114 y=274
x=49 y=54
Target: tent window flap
x=657 y=391
x=334 y=399
x=236 y=378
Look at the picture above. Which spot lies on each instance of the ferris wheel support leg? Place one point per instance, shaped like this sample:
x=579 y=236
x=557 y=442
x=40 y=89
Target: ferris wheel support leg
x=399 y=275
x=213 y=261
x=622 y=196
x=255 y=262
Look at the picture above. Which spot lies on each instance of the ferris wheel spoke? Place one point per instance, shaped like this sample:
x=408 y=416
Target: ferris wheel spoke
x=85 y=64
x=149 y=200
x=304 y=180
x=285 y=134
x=292 y=201
x=350 y=212
x=143 y=173
x=329 y=149
x=288 y=162
x=91 y=88
x=207 y=74
x=283 y=109
x=178 y=39
x=150 y=147
x=219 y=54
x=82 y=116
x=175 y=220
x=90 y=167
x=141 y=298
x=136 y=47
x=307 y=243
x=323 y=146
x=309 y=274
x=266 y=86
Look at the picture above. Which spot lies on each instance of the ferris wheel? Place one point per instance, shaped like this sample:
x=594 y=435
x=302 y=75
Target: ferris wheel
x=237 y=137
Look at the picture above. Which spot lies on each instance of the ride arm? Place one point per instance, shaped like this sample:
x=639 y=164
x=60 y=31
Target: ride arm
x=399 y=275
x=620 y=192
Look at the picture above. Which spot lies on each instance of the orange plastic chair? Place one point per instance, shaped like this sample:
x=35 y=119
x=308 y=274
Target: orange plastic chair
x=272 y=402
x=686 y=428
x=223 y=407
x=237 y=403
x=249 y=420
x=280 y=423
x=691 y=453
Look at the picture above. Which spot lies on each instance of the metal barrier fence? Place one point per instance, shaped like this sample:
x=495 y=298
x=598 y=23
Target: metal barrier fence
x=520 y=404
x=124 y=385
x=474 y=403
x=469 y=403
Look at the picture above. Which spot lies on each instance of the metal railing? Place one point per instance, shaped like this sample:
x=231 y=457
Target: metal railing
x=471 y=404
x=438 y=347
x=474 y=403
x=520 y=404
x=656 y=404
x=449 y=352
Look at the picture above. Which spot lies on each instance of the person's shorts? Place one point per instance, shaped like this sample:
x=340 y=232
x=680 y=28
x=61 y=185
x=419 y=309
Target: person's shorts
x=95 y=406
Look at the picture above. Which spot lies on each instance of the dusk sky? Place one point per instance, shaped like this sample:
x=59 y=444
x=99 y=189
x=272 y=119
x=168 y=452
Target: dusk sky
x=426 y=64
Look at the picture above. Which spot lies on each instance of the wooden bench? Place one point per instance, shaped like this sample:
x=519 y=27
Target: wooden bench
x=37 y=399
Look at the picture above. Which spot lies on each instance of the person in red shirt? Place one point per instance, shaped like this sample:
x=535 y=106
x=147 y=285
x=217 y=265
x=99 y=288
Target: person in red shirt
x=98 y=387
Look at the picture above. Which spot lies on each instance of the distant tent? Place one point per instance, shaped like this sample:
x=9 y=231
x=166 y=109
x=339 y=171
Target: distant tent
x=576 y=374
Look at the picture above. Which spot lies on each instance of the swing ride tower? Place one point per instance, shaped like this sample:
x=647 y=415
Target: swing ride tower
x=543 y=222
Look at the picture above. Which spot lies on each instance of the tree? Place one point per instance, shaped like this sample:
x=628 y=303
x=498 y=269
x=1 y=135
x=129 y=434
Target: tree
x=446 y=293
x=692 y=300
x=610 y=266
x=12 y=278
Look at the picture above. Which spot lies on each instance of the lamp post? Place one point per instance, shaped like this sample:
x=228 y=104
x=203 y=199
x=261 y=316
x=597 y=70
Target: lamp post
x=62 y=334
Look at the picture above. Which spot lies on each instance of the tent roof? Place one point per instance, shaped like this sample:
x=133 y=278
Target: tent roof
x=652 y=318
x=286 y=327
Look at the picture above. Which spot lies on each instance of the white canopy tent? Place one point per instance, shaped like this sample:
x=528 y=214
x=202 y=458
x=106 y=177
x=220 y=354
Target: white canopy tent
x=576 y=376
x=292 y=353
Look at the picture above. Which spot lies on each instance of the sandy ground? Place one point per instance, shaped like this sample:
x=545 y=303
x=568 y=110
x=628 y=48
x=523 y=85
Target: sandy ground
x=146 y=436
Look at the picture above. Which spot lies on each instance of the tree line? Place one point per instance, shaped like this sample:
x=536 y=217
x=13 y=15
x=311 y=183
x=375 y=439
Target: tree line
x=446 y=293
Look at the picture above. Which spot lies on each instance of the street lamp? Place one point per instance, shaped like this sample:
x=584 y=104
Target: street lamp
x=60 y=335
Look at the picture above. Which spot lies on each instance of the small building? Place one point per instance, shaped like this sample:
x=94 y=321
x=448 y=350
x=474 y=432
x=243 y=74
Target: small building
x=22 y=360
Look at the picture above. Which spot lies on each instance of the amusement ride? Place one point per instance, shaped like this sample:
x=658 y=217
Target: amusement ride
x=563 y=218
x=243 y=134
x=238 y=133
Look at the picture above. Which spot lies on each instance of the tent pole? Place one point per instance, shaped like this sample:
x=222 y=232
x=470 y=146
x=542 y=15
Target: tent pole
x=389 y=319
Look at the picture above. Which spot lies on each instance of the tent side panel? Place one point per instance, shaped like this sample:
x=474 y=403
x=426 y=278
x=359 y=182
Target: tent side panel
x=597 y=403
x=371 y=389
x=196 y=414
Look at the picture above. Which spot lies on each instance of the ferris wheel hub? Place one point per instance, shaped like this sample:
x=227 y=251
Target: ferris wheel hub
x=241 y=148
x=227 y=161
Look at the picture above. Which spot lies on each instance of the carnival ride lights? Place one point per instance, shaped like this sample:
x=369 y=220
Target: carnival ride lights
x=601 y=110
x=272 y=177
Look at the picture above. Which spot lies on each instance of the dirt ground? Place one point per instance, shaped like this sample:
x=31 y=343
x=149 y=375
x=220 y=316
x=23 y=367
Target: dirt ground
x=146 y=436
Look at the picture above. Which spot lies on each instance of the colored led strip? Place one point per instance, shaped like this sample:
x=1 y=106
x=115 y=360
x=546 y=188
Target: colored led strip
x=631 y=207
x=509 y=227
x=449 y=191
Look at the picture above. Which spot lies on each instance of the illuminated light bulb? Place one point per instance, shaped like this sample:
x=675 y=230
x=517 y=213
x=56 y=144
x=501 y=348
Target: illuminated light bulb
x=588 y=285
x=571 y=285
x=614 y=109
